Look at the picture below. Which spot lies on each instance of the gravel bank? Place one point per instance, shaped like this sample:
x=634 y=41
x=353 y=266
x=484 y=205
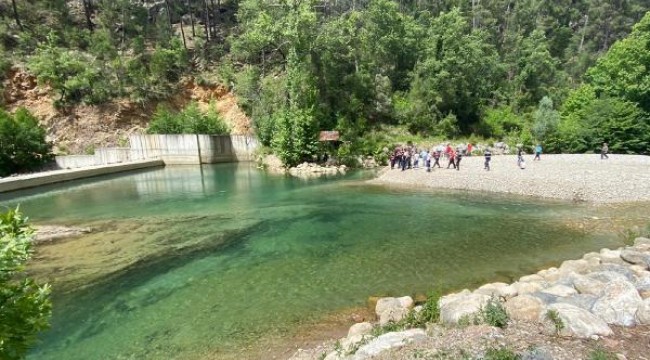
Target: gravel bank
x=578 y=177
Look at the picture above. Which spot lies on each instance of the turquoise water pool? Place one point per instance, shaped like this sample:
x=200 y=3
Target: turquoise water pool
x=189 y=262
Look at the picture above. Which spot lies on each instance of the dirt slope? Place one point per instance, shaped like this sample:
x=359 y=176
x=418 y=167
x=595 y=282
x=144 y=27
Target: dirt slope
x=81 y=128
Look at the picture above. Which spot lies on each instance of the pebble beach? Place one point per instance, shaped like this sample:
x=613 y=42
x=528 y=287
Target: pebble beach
x=575 y=177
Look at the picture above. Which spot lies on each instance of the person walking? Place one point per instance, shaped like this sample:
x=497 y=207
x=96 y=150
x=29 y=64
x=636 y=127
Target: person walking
x=436 y=157
x=469 y=149
x=452 y=159
x=427 y=161
x=406 y=160
x=459 y=157
x=488 y=158
x=520 y=155
x=604 y=151
x=538 y=152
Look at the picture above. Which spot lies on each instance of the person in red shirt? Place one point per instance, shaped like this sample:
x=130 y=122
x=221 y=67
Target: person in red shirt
x=469 y=149
x=452 y=159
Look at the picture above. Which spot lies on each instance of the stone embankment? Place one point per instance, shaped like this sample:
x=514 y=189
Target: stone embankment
x=578 y=177
x=557 y=313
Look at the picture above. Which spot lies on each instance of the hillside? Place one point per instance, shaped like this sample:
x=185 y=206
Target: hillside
x=80 y=128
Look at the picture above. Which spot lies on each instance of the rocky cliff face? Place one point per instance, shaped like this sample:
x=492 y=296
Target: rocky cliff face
x=81 y=128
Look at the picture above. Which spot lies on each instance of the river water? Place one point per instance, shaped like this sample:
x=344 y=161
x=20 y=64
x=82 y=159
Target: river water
x=211 y=262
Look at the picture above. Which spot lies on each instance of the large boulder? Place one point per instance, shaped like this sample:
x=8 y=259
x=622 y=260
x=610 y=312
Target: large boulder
x=363 y=328
x=636 y=257
x=392 y=309
x=550 y=275
x=587 y=285
x=406 y=302
x=393 y=315
x=459 y=306
x=388 y=341
x=524 y=307
x=583 y=301
x=614 y=273
x=618 y=304
x=497 y=289
x=386 y=303
x=643 y=313
x=577 y=266
x=641 y=241
x=611 y=257
x=560 y=290
x=579 y=322
x=528 y=287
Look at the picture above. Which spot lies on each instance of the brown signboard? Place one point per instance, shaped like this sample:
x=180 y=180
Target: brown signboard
x=328 y=136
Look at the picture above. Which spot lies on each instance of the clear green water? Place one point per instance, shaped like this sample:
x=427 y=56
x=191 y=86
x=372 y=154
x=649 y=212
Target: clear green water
x=241 y=255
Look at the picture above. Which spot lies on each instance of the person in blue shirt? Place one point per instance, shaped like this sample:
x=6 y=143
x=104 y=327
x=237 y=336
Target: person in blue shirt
x=538 y=152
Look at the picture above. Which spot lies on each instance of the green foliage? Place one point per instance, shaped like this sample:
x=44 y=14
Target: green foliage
x=26 y=306
x=23 y=146
x=191 y=120
x=72 y=74
x=601 y=354
x=545 y=119
x=624 y=72
x=554 y=317
x=494 y=313
x=294 y=136
x=501 y=121
x=502 y=353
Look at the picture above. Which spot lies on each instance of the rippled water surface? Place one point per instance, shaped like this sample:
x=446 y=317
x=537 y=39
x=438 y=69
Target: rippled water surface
x=189 y=262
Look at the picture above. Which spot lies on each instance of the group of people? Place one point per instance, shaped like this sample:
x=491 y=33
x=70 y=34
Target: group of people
x=409 y=157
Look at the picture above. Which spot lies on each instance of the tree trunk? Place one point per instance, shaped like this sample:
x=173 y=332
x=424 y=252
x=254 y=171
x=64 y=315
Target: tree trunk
x=191 y=9
x=584 y=30
x=169 y=16
x=206 y=23
x=87 y=12
x=16 y=17
x=183 y=34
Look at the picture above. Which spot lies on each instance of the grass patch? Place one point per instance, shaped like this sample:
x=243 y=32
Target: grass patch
x=502 y=353
x=554 y=317
x=601 y=354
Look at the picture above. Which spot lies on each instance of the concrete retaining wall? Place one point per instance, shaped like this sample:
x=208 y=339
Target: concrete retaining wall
x=50 y=177
x=172 y=149
x=187 y=149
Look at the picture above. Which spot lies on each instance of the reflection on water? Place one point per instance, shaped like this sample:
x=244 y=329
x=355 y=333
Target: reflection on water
x=182 y=264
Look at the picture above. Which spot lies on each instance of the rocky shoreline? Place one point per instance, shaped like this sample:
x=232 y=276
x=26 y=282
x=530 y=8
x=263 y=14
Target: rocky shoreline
x=576 y=177
x=600 y=302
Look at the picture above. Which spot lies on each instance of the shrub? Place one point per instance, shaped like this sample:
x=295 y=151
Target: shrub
x=601 y=354
x=294 y=136
x=502 y=353
x=554 y=317
x=191 y=120
x=26 y=306
x=23 y=146
x=495 y=314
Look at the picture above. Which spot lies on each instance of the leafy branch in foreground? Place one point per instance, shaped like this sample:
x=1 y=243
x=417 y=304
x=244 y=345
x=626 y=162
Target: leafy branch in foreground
x=24 y=305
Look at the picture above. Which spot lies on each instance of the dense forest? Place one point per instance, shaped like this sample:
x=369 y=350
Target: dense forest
x=568 y=73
